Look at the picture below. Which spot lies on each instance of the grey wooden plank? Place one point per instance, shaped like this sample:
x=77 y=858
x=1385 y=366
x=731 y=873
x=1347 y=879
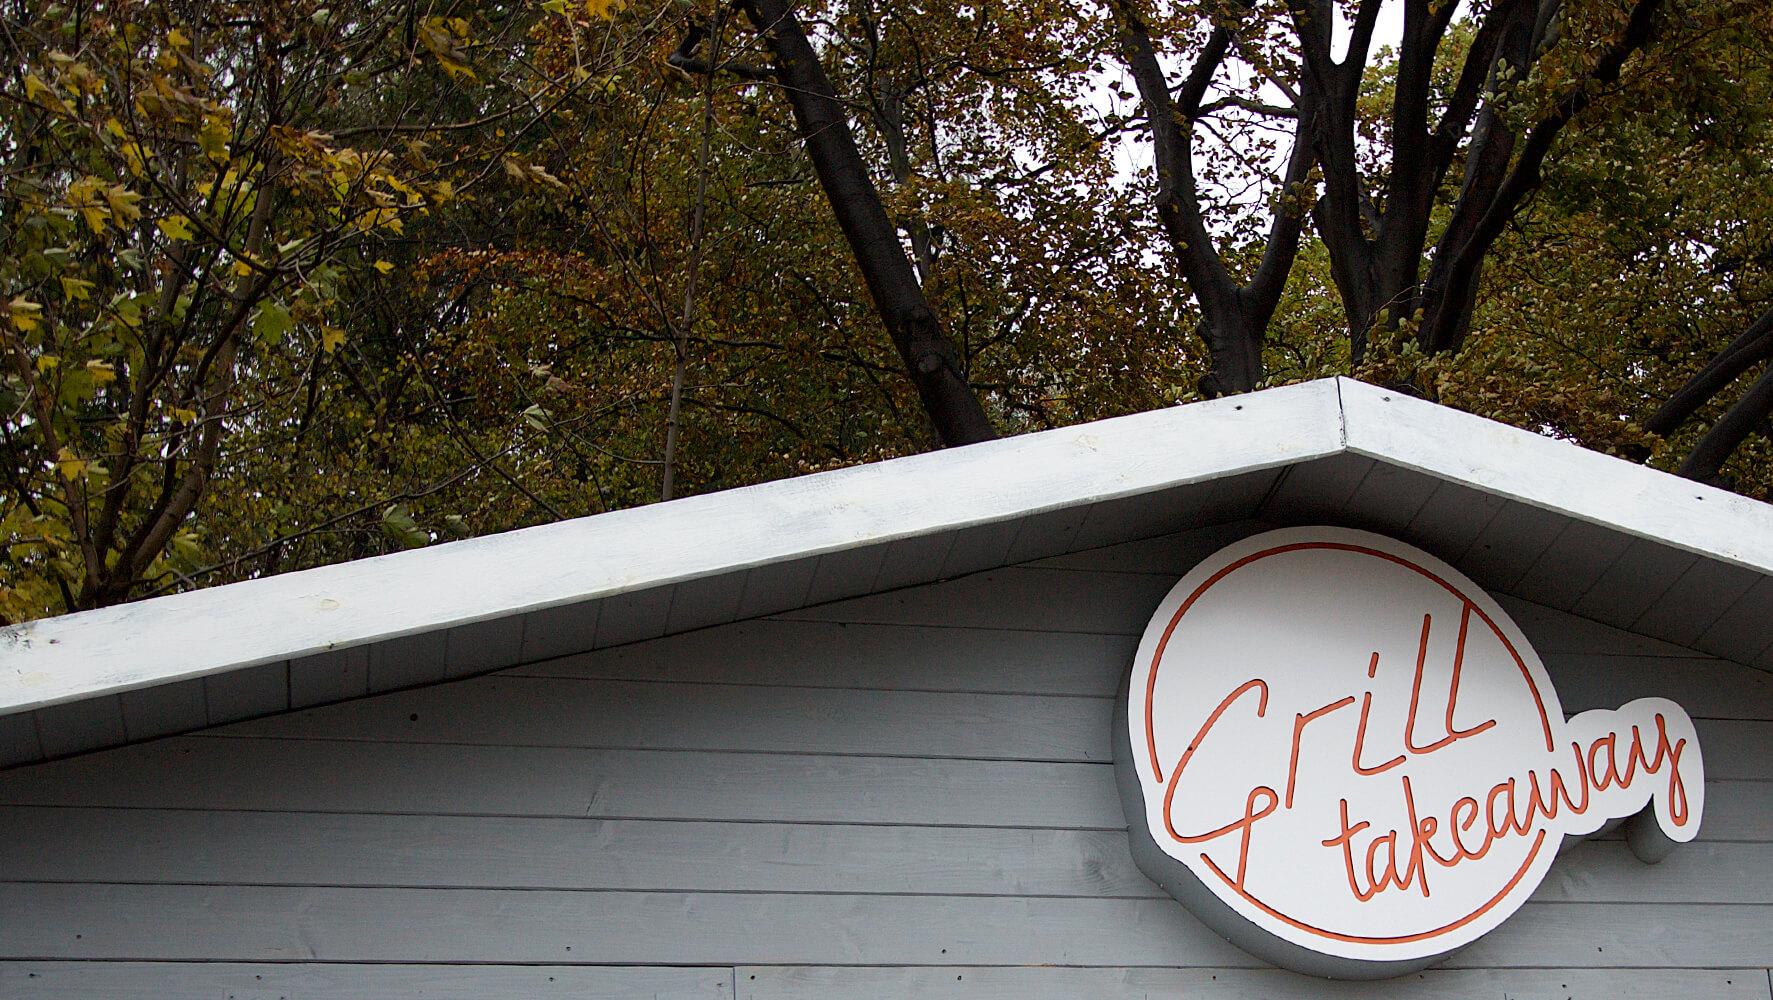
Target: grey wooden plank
x=776 y=982
x=331 y=676
x=1013 y=597
x=847 y=573
x=1571 y=564
x=1554 y=631
x=163 y=709
x=18 y=739
x=711 y=600
x=911 y=561
x=80 y=725
x=1636 y=580
x=1697 y=598
x=299 y=981
x=634 y=616
x=1316 y=491
x=1616 y=935
x=482 y=646
x=1239 y=497
x=309 y=775
x=269 y=923
x=261 y=848
x=835 y=654
x=408 y=660
x=243 y=694
x=1388 y=498
x=1046 y=534
x=831 y=654
x=1605 y=871
x=1170 y=555
x=551 y=632
x=1703 y=685
x=262 y=923
x=1451 y=519
x=1110 y=522
x=980 y=547
x=1510 y=544
x=506 y=710
x=1746 y=627
x=1736 y=749
x=537 y=711
x=776 y=587
x=303 y=775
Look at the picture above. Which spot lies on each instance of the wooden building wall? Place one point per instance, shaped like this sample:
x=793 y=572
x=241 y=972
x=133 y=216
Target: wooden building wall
x=902 y=795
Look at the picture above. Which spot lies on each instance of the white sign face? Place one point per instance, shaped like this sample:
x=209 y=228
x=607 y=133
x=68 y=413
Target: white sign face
x=1358 y=761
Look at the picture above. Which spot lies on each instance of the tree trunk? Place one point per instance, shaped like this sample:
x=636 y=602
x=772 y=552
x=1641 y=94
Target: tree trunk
x=930 y=360
x=1234 y=317
x=1719 y=443
x=1755 y=344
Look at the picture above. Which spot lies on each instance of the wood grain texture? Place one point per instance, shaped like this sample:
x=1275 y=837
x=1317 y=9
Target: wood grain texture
x=1019 y=597
x=837 y=654
x=253 y=848
x=270 y=923
x=296 y=981
x=319 y=775
x=894 y=795
x=544 y=711
x=918 y=658
x=969 y=983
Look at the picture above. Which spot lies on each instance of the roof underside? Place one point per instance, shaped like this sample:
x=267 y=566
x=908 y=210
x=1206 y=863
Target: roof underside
x=1517 y=512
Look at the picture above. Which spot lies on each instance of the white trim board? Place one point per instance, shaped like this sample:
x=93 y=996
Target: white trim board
x=412 y=595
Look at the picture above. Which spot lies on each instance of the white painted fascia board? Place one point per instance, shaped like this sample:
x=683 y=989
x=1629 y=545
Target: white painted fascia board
x=220 y=629
x=1556 y=475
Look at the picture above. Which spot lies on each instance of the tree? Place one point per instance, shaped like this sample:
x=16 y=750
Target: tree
x=1235 y=313
x=187 y=186
x=930 y=359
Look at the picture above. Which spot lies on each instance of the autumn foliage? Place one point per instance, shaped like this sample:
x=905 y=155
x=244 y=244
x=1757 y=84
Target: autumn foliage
x=287 y=282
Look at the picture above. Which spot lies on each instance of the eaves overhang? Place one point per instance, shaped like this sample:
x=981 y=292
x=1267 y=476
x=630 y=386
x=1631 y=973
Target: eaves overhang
x=1521 y=513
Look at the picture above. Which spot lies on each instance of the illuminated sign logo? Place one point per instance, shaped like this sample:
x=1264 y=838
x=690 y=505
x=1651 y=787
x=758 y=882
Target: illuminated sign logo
x=1343 y=756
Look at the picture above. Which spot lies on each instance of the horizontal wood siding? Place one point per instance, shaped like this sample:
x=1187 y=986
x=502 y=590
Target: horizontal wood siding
x=904 y=794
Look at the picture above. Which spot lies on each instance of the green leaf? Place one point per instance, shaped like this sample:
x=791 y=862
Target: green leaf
x=272 y=323
x=399 y=525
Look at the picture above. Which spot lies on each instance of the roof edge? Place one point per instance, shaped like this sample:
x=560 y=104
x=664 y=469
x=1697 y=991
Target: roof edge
x=1556 y=475
x=205 y=632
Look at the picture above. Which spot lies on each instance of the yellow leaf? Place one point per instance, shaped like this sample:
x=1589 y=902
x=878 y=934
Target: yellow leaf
x=241 y=269
x=48 y=361
x=115 y=127
x=178 y=39
x=176 y=227
x=84 y=197
x=183 y=415
x=213 y=138
x=102 y=372
x=40 y=92
x=70 y=465
x=136 y=156
x=604 y=9
x=331 y=337
x=125 y=204
x=76 y=289
x=384 y=266
x=26 y=315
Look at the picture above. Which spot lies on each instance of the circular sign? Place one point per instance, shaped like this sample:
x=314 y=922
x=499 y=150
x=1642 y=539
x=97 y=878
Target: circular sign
x=1346 y=758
